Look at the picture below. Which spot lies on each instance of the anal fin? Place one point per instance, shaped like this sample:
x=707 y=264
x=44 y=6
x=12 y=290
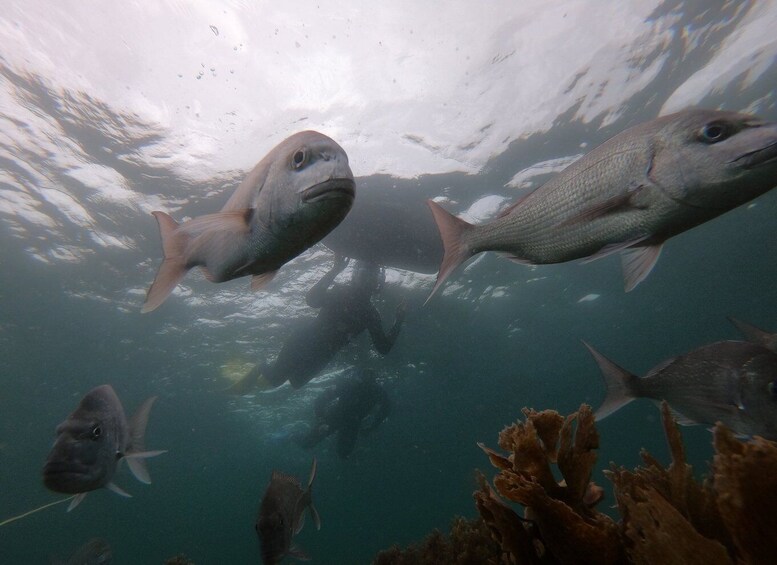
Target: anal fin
x=258 y=282
x=77 y=499
x=118 y=490
x=637 y=262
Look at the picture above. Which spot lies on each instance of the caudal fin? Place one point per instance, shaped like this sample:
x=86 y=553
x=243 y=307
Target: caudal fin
x=173 y=267
x=619 y=382
x=452 y=231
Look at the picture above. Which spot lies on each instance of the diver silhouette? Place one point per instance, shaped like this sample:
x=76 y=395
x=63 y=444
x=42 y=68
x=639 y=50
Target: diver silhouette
x=352 y=405
x=345 y=312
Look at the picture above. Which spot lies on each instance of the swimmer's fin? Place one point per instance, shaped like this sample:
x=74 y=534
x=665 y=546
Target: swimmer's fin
x=245 y=384
x=253 y=379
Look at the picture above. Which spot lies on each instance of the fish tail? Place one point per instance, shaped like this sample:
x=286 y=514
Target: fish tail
x=173 y=267
x=621 y=385
x=136 y=453
x=309 y=495
x=456 y=251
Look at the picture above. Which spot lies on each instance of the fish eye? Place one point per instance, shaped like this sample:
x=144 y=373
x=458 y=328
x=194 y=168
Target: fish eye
x=96 y=432
x=714 y=132
x=299 y=158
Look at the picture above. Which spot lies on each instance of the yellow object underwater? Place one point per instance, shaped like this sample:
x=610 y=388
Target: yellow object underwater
x=243 y=377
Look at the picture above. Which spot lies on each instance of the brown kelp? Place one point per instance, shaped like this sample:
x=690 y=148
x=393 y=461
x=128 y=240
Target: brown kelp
x=666 y=514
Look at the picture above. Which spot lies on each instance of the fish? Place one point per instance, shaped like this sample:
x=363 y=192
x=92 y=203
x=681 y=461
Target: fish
x=756 y=335
x=734 y=382
x=94 y=552
x=91 y=443
x=390 y=227
x=294 y=196
x=630 y=195
x=282 y=515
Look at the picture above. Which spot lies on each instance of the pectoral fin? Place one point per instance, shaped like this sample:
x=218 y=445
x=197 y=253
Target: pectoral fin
x=622 y=202
x=236 y=221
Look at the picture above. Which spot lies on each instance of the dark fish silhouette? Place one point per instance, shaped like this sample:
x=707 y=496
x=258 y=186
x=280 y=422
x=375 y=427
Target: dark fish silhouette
x=756 y=335
x=630 y=194
x=92 y=441
x=392 y=228
x=94 y=552
x=296 y=195
x=734 y=382
x=282 y=515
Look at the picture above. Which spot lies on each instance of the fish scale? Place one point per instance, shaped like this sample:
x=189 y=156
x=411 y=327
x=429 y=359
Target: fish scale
x=632 y=193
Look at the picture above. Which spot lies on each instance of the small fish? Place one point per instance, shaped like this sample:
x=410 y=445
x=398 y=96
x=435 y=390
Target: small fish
x=756 y=335
x=282 y=515
x=630 y=194
x=94 y=552
x=297 y=194
x=734 y=382
x=92 y=441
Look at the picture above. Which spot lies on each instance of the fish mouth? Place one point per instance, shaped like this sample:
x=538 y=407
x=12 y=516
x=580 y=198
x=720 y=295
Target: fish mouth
x=332 y=188
x=64 y=477
x=758 y=157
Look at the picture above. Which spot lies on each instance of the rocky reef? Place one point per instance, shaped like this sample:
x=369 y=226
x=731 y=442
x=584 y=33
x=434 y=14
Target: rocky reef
x=666 y=515
x=468 y=543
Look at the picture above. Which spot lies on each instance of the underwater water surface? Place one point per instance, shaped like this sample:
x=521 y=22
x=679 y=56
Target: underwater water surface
x=108 y=114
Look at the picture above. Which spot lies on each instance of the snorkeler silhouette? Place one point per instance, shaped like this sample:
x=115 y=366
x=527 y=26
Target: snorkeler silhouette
x=353 y=404
x=345 y=312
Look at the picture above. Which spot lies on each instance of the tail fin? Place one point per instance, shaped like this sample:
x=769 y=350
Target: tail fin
x=452 y=231
x=313 y=512
x=754 y=334
x=173 y=267
x=619 y=382
x=135 y=452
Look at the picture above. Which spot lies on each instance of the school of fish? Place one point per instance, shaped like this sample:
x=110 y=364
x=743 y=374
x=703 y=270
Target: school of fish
x=630 y=195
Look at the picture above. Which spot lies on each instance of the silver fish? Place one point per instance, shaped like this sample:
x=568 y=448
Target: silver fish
x=630 y=194
x=756 y=335
x=94 y=552
x=92 y=441
x=282 y=515
x=297 y=194
x=734 y=382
